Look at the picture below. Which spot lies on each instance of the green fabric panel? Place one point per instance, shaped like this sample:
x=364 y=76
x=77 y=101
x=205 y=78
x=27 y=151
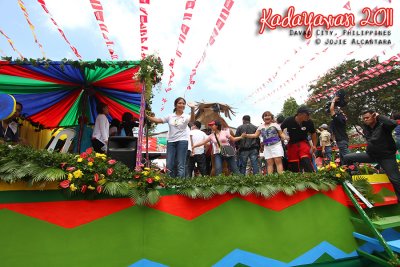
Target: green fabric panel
x=71 y=118
x=99 y=73
x=140 y=232
x=18 y=85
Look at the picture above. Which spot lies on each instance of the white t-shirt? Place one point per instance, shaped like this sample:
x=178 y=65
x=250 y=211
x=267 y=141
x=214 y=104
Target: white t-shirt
x=101 y=128
x=269 y=133
x=178 y=127
x=197 y=137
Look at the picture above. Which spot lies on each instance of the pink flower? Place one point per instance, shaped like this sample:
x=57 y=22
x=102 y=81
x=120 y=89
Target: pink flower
x=352 y=167
x=70 y=169
x=112 y=161
x=110 y=171
x=90 y=159
x=89 y=150
x=96 y=177
x=99 y=189
x=83 y=189
x=136 y=176
x=63 y=165
x=64 y=184
x=149 y=180
x=84 y=155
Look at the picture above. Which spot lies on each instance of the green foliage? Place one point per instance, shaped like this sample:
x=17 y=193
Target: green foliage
x=289 y=107
x=92 y=174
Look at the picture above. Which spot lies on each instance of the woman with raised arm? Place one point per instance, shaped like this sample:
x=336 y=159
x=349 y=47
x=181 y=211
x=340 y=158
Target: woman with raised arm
x=271 y=138
x=220 y=138
x=178 y=137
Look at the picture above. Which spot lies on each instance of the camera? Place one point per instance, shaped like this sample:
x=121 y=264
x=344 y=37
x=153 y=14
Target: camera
x=338 y=103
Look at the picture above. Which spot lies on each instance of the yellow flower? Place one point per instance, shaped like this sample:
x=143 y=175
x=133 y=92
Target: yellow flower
x=72 y=187
x=79 y=159
x=333 y=165
x=90 y=187
x=338 y=175
x=147 y=169
x=90 y=163
x=342 y=170
x=78 y=174
x=145 y=173
x=102 y=176
x=322 y=168
x=157 y=178
x=70 y=176
x=102 y=181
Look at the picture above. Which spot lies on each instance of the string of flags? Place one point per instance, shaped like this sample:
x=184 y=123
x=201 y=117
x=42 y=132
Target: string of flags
x=343 y=81
x=184 y=30
x=25 y=11
x=11 y=44
x=74 y=50
x=143 y=27
x=223 y=16
x=98 y=13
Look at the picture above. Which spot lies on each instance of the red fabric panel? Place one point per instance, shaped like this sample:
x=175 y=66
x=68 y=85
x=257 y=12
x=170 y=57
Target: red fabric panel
x=280 y=201
x=116 y=109
x=152 y=144
x=52 y=116
x=20 y=71
x=188 y=208
x=70 y=214
x=122 y=81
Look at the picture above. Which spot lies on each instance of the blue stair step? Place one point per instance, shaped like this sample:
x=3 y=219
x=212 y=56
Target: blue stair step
x=394 y=244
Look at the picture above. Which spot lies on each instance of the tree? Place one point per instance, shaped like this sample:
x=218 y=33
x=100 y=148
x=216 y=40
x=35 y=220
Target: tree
x=289 y=107
x=383 y=100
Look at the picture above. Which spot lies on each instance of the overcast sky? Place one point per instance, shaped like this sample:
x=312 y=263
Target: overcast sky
x=237 y=64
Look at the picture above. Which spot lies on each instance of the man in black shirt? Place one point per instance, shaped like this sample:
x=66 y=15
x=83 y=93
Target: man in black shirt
x=248 y=148
x=10 y=127
x=381 y=147
x=338 y=127
x=298 y=149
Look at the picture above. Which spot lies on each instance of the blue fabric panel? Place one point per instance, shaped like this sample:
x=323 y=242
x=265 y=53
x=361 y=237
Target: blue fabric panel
x=35 y=103
x=68 y=74
x=129 y=97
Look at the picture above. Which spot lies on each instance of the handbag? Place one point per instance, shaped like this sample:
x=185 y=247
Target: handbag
x=226 y=150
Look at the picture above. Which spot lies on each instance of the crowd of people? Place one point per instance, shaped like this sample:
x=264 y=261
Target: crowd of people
x=287 y=144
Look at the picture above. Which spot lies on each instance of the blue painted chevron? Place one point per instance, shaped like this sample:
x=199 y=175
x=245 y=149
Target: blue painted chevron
x=247 y=258
x=388 y=234
x=147 y=263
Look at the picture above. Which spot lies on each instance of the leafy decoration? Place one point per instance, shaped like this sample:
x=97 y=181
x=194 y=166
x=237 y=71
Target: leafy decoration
x=92 y=174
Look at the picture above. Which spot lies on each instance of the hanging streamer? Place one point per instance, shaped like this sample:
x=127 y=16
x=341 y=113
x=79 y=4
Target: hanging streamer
x=74 y=50
x=371 y=72
x=98 y=13
x=223 y=16
x=143 y=27
x=11 y=44
x=184 y=30
x=25 y=11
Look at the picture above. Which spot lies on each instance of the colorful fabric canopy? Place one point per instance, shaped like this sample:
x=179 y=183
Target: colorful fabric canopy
x=56 y=95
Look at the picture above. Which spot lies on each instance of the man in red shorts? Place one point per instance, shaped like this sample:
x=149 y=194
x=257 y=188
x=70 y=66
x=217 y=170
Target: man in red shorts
x=298 y=149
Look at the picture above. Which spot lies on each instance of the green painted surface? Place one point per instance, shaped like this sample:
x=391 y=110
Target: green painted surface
x=139 y=232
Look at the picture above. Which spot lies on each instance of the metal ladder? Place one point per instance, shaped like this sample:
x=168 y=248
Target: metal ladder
x=390 y=247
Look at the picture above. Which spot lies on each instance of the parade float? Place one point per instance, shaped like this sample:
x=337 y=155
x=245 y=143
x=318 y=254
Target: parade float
x=89 y=210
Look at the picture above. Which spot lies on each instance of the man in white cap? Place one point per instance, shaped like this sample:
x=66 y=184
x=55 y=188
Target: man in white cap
x=325 y=142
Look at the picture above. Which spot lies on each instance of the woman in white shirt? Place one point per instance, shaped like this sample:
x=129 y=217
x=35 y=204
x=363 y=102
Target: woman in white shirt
x=101 y=129
x=178 y=136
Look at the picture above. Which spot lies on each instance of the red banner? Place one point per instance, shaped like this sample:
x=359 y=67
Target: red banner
x=11 y=44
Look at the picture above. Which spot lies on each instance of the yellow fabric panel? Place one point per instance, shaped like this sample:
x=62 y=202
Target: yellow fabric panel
x=35 y=139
